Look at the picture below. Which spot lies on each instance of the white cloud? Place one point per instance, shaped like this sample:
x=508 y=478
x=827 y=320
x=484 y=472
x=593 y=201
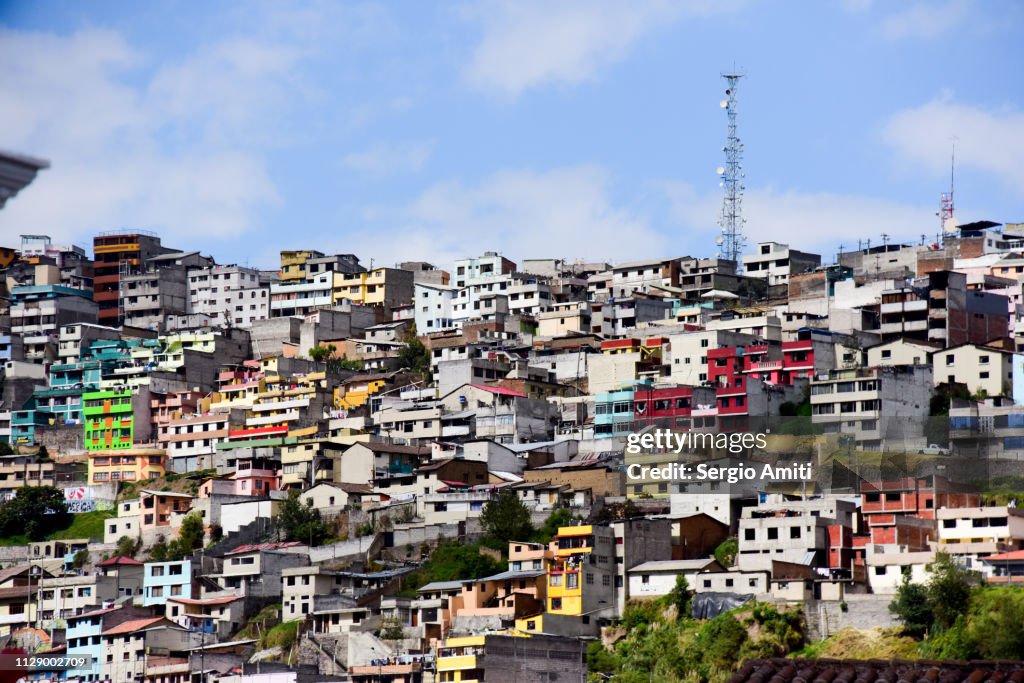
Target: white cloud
x=528 y=43
x=811 y=221
x=559 y=213
x=389 y=158
x=134 y=146
x=926 y=20
x=991 y=141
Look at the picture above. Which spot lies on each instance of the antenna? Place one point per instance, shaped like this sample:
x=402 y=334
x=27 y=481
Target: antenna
x=731 y=218
x=946 y=205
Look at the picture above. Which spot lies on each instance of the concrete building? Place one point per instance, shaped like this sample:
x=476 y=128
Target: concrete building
x=876 y=406
x=984 y=370
x=658 y=578
x=114 y=253
x=470 y=271
x=902 y=352
x=775 y=262
x=158 y=290
x=386 y=287
x=230 y=296
x=976 y=532
x=163 y=580
x=38 y=312
x=940 y=308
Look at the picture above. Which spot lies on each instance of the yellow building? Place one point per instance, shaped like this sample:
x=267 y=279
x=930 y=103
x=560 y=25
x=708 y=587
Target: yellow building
x=293 y=264
x=460 y=660
x=378 y=287
x=126 y=464
x=356 y=391
x=581 y=573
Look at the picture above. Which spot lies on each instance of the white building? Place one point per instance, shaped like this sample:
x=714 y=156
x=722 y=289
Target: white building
x=433 y=307
x=229 y=295
x=775 y=262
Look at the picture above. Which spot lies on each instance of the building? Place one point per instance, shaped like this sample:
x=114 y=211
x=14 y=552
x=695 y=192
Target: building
x=975 y=532
x=39 y=311
x=163 y=580
x=126 y=465
x=229 y=296
x=386 y=287
x=775 y=262
x=874 y=405
x=581 y=573
x=116 y=253
x=501 y=657
x=940 y=308
x=984 y=370
x=116 y=419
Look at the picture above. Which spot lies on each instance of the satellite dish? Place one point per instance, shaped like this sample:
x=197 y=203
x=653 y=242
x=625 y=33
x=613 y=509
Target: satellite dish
x=719 y=240
x=723 y=104
x=728 y=91
x=720 y=170
x=950 y=225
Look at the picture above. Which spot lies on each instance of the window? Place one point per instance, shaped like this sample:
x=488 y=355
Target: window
x=556 y=603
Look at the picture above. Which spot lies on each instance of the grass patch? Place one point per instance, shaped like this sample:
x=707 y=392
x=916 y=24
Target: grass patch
x=282 y=636
x=85 y=525
x=259 y=624
x=851 y=643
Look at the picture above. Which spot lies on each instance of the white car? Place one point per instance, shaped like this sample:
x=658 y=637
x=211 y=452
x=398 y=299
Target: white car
x=934 y=449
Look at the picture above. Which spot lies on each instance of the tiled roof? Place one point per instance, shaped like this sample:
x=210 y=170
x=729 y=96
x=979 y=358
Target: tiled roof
x=120 y=560
x=263 y=546
x=500 y=391
x=876 y=671
x=133 y=625
x=1013 y=556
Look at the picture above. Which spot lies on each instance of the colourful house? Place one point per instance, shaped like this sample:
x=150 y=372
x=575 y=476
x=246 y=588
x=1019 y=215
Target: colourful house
x=126 y=464
x=109 y=423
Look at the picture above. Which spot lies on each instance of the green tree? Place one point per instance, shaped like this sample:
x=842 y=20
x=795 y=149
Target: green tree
x=997 y=622
x=43 y=455
x=5 y=448
x=726 y=551
x=301 y=522
x=36 y=512
x=414 y=355
x=505 y=518
x=949 y=590
x=81 y=559
x=391 y=630
x=913 y=607
x=320 y=354
x=680 y=597
x=559 y=517
x=127 y=546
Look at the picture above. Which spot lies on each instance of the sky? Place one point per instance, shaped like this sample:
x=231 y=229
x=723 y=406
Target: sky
x=411 y=130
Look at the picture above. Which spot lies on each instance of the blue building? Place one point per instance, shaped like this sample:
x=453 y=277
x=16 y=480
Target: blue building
x=613 y=414
x=162 y=580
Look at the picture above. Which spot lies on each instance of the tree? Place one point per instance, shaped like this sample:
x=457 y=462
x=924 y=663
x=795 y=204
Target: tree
x=36 y=512
x=42 y=455
x=912 y=607
x=5 y=448
x=618 y=511
x=320 y=354
x=558 y=518
x=190 y=538
x=414 y=355
x=127 y=546
x=679 y=597
x=949 y=590
x=81 y=559
x=726 y=551
x=391 y=630
x=505 y=518
x=301 y=522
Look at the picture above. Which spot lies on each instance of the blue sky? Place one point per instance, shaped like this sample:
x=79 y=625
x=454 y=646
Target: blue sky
x=412 y=130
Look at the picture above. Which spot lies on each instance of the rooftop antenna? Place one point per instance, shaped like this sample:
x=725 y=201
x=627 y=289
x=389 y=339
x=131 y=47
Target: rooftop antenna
x=885 y=240
x=731 y=221
x=946 y=198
